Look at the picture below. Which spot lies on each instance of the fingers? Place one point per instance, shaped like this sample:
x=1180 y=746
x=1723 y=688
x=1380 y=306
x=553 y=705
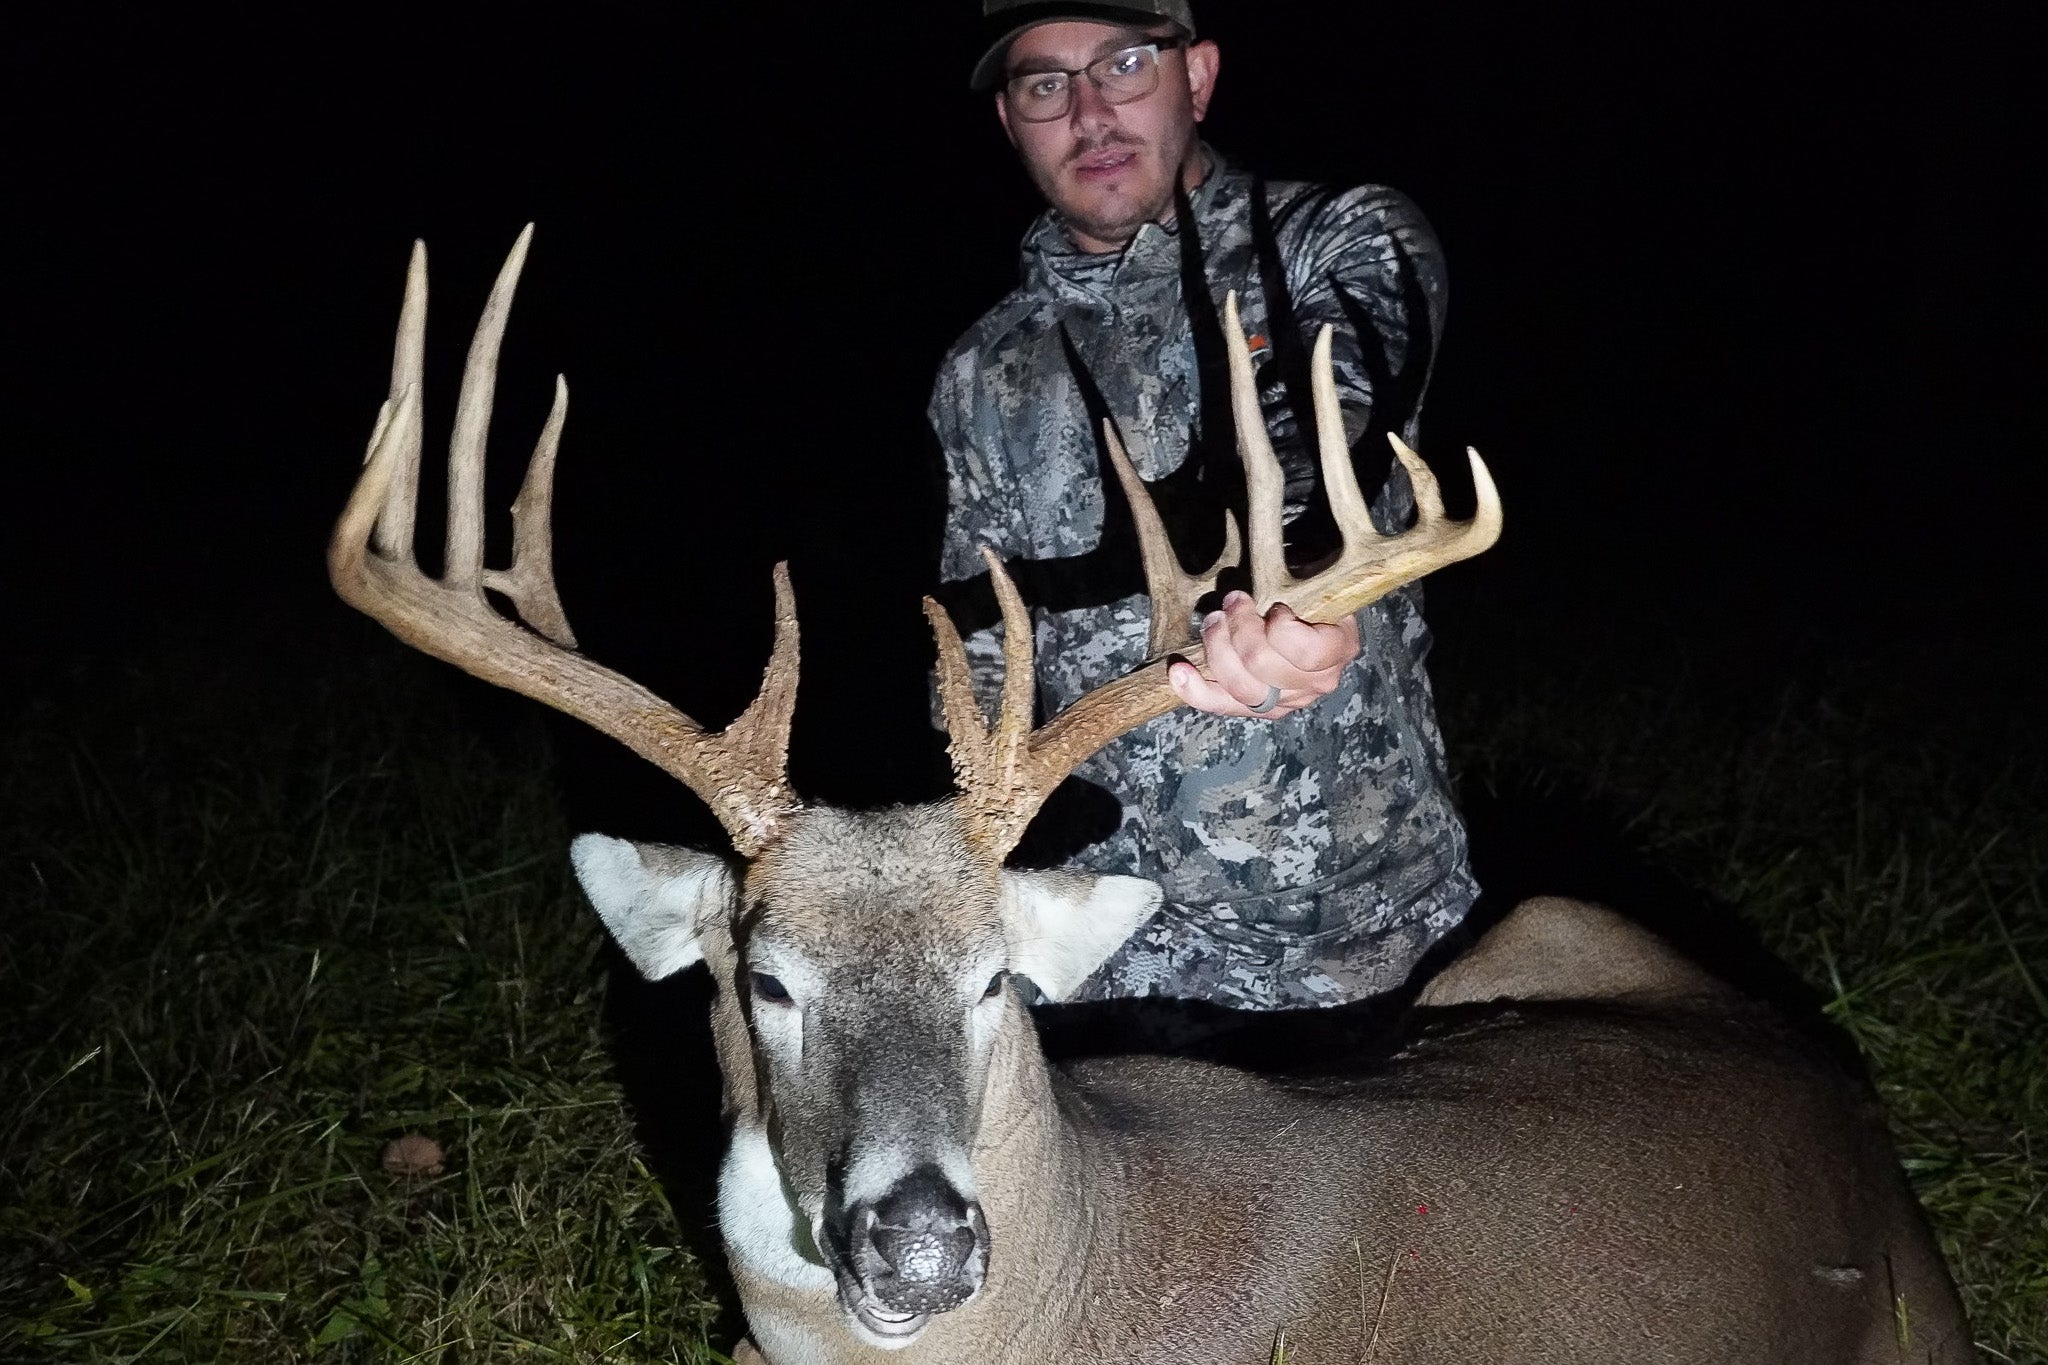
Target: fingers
x=1305 y=645
x=1249 y=655
x=1205 y=695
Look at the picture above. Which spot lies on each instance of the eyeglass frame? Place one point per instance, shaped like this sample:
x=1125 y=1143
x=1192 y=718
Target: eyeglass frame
x=1171 y=42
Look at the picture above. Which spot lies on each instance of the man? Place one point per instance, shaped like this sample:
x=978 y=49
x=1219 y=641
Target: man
x=1298 y=816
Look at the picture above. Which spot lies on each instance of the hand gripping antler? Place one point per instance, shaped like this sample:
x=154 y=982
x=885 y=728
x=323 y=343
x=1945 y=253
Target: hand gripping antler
x=1005 y=772
x=740 y=774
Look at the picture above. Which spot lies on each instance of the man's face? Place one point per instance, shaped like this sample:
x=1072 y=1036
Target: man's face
x=1110 y=168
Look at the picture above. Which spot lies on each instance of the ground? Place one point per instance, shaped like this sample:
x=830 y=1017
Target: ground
x=258 y=929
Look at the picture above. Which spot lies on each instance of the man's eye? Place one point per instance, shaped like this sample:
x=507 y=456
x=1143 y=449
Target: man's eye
x=1127 y=63
x=1045 y=87
x=768 y=988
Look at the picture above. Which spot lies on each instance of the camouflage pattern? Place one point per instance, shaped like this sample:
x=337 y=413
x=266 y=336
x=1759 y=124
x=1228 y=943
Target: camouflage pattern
x=1306 y=861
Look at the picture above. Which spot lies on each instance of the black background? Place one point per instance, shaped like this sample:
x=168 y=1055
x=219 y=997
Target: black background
x=1741 y=315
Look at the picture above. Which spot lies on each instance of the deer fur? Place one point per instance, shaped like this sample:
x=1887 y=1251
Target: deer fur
x=1585 y=1149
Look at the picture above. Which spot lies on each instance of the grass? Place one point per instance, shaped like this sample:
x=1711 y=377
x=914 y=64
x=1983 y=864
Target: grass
x=255 y=930
x=245 y=950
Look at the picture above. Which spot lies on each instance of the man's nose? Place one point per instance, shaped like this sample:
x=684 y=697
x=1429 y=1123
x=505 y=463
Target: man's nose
x=1091 y=114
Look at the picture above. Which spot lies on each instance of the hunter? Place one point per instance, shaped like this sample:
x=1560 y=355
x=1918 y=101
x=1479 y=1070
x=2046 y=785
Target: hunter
x=1297 y=811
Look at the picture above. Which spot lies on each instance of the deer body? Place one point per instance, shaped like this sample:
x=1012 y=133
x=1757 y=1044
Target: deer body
x=1586 y=1150
x=1641 y=1166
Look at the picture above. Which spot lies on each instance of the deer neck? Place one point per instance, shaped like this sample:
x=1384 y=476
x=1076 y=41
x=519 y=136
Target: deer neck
x=1042 y=1181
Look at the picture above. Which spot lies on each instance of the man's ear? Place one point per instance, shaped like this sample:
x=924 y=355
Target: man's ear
x=1003 y=117
x=1061 y=926
x=656 y=900
x=1205 y=61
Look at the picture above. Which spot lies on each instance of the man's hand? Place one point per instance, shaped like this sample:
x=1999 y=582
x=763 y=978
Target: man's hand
x=1248 y=655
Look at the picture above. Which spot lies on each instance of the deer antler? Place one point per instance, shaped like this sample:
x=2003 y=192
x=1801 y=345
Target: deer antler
x=740 y=774
x=1174 y=591
x=1005 y=772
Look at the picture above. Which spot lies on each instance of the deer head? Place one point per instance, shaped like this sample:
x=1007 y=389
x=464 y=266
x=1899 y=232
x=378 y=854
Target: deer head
x=868 y=1025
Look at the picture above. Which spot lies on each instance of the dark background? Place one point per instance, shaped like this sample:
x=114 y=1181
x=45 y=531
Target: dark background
x=1741 y=315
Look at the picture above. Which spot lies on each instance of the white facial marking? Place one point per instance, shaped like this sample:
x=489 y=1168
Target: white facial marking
x=779 y=1024
x=763 y=1227
x=985 y=1014
x=876 y=1170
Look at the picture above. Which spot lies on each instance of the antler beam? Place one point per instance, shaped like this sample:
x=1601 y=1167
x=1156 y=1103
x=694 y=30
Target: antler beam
x=741 y=774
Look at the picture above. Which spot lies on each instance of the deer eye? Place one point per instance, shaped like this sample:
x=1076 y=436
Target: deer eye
x=768 y=988
x=995 y=985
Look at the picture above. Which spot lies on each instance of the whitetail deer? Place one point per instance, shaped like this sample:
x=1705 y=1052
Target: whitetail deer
x=1624 y=1162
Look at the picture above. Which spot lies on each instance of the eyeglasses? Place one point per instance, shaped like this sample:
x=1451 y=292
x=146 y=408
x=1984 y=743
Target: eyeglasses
x=1129 y=74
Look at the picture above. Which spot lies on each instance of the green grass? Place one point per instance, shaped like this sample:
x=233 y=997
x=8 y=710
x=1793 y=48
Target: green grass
x=254 y=931
x=246 y=948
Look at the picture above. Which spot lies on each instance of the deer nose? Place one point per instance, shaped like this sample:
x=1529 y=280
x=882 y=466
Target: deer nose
x=928 y=1244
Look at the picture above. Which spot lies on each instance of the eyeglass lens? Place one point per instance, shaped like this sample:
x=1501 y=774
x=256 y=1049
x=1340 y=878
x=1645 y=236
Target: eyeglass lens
x=1041 y=96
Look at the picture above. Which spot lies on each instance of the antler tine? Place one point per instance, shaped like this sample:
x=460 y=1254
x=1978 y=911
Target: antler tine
x=1428 y=493
x=1173 y=590
x=740 y=774
x=1265 y=482
x=369 y=503
x=1340 y=480
x=1371 y=564
x=991 y=764
x=754 y=749
x=530 y=582
x=465 y=553
x=1003 y=778
x=408 y=366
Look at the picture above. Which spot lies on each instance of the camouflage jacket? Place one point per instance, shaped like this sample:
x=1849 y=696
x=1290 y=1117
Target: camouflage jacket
x=1309 y=860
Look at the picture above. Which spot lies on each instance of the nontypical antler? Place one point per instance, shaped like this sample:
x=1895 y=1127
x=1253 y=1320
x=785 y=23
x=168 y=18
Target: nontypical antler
x=741 y=774
x=1006 y=771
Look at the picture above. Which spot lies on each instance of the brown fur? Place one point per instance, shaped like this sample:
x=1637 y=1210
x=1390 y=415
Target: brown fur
x=1586 y=1151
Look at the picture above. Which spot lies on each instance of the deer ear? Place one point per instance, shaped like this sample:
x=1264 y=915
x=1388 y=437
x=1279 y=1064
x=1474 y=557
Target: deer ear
x=1063 y=925
x=655 y=899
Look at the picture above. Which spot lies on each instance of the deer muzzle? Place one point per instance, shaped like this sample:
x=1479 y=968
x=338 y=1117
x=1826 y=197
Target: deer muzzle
x=922 y=1248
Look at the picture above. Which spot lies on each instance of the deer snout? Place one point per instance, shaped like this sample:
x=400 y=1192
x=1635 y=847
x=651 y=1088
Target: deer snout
x=921 y=1248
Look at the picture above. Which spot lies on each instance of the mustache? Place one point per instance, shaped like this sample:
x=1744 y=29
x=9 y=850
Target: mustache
x=1103 y=144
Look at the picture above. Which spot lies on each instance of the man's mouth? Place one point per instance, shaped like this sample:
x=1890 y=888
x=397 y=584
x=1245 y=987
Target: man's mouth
x=1104 y=165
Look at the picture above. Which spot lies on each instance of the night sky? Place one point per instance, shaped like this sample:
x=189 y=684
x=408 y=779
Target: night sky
x=1740 y=313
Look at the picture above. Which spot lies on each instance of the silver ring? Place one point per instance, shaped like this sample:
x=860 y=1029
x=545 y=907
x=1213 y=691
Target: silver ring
x=1272 y=700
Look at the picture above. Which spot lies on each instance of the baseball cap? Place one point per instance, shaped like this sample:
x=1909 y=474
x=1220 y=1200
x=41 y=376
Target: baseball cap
x=1003 y=20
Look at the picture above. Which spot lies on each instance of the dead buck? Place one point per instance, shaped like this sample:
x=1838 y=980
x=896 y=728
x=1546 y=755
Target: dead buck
x=1624 y=1163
